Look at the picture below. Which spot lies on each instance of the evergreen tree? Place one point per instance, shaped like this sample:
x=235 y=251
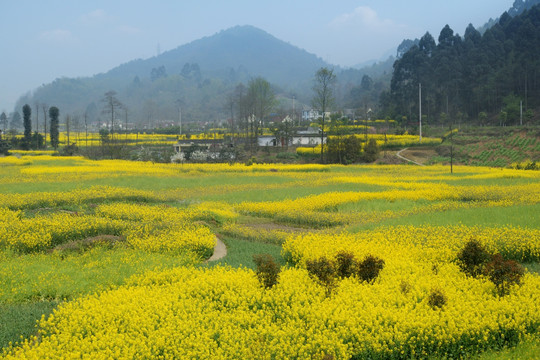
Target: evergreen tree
x=371 y=150
x=3 y=122
x=54 y=114
x=27 y=122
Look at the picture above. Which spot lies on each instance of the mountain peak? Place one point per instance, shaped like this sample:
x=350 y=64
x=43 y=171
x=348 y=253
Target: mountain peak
x=201 y=72
x=246 y=47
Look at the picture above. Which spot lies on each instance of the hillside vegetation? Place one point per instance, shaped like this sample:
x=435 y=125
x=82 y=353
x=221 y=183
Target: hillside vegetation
x=496 y=147
x=463 y=77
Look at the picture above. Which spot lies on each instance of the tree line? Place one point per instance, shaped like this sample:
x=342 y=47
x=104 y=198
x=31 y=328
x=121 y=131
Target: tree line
x=492 y=78
x=31 y=140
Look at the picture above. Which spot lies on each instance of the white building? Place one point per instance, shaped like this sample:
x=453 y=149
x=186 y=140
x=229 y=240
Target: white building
x=313 y=115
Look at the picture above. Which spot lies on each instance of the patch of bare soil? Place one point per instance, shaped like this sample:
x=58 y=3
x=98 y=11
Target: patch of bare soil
x=85 y=244
x=274 y=226
x=390 y=158
x=419 y=155
x=220 y=251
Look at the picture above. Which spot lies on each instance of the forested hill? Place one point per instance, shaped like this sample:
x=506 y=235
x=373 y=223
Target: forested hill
x=476 y=77
x=199 y=74
x=235 y=53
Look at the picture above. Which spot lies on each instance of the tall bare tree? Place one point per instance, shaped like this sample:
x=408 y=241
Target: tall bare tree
x=67 y=120
x=262 y=99
x=324 y=99
x=45 y=109
x=85 y=116
x=126 y=121
x=230 y=104
x=37 y=117
x=111 y=106
x=243 y=110
x=149 y=111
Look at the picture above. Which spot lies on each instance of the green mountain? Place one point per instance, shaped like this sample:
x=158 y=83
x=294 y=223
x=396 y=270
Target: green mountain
x=198 y=75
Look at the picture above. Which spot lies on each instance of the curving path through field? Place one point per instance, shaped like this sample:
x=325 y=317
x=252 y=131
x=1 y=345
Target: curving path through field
x=398 y=154
x=220 y=251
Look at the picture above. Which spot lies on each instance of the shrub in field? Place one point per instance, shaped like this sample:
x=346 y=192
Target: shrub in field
x=472 y=258
x=503 y=273
x=369 y=268
x=436 y=299
x=345 y=264
x=323 y=269
x=267 y=270
x=405 y=287
x=371 y=151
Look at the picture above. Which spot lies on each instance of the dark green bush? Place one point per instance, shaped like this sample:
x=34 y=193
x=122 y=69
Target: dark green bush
x=371 y=151
x=267 y=270
x=369 y=268
x=436 y=299
x=472 y=258
x=345 y=264
x=503 y=273
x=323 y=270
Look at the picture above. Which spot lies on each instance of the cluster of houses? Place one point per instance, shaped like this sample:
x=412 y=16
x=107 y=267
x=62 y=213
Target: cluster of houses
x=309 y=137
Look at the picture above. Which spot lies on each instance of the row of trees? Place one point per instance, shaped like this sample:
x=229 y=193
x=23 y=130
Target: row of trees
x=34 y=140
x=111 y=109
x=254 y=103
x=250 y=107
x=462 y=77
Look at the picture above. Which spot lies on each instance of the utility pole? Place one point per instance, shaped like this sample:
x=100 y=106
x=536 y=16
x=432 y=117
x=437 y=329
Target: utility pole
x=126 y=121
x=293 y=113
x=420 y=107
x=451 y=149
x=521 y=113
x=179 y=117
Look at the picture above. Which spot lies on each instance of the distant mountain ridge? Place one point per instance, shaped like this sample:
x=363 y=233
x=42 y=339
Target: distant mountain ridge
x=518 y=7
x=199 y=73
x=245 y=48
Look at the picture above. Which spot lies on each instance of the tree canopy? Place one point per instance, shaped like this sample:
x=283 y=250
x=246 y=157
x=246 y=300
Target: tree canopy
x=469 y=75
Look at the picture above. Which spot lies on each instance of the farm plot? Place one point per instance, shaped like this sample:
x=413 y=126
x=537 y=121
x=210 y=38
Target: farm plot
x=108 y=257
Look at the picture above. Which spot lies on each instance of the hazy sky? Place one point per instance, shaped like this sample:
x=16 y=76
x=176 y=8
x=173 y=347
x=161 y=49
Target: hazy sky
x=42 y=40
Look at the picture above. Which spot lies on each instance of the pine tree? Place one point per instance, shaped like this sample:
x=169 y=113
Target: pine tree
x=54 y=114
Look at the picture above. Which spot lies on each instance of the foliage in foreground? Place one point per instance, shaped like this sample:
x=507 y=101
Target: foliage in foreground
x=224 y=313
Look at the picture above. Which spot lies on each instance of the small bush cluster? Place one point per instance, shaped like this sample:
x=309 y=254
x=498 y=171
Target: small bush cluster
x=474 y=260
x=69 y=150
x=323 y=269
x=267 y=270
x=344 y=266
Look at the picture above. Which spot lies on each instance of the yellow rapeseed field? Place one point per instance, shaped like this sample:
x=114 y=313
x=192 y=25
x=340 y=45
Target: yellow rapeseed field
x=223 y=312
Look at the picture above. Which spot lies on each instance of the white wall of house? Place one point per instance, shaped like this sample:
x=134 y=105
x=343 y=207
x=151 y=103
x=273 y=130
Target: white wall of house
x=296 y=141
